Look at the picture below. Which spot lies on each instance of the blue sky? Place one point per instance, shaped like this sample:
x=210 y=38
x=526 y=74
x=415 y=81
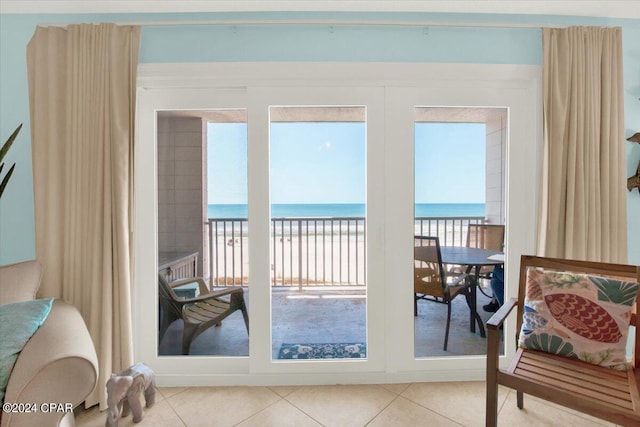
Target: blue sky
x=325 y=163
x=450 y=162
x=318 y=163
x=227 y=163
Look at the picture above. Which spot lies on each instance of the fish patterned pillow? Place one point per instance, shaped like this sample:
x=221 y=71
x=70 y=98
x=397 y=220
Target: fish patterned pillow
x=578 y=316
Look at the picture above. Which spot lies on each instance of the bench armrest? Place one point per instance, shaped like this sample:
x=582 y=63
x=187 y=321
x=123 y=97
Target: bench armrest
x=501 y=315
x=493 y=334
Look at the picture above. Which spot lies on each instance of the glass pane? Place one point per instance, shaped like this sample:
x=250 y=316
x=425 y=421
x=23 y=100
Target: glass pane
x=203 y=232
x=318 y=208
x=459 y=188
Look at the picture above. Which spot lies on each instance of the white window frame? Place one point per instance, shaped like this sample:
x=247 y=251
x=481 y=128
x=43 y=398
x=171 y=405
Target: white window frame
x=387 y=89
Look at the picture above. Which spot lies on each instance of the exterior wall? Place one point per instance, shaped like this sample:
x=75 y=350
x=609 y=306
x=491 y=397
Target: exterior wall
x=181 y=209
x=495 y=168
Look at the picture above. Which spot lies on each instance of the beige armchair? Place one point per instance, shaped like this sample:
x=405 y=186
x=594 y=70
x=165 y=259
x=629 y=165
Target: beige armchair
x=57 y=365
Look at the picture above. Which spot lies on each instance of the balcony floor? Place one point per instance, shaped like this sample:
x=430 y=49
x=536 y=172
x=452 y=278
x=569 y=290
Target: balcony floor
x=333 y=316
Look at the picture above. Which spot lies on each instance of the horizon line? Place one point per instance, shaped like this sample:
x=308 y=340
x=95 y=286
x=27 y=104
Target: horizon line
x=356 y=203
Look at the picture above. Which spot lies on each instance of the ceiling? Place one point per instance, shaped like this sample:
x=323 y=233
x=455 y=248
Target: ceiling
x=606 y=8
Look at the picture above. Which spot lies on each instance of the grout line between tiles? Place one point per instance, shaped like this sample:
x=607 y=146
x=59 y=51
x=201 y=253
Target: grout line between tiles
x=574 y=413
x=382 y=410
x=280 y=398
x=406 y=386
x=175 y=394
x=279 y=395
x=433 y=410
x=504 y=402
x=557 y=407
x=300 y=409
x=174 y=409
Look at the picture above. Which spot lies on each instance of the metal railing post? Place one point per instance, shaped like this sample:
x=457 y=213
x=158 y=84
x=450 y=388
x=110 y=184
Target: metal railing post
x=299 y=255
x=211 y=275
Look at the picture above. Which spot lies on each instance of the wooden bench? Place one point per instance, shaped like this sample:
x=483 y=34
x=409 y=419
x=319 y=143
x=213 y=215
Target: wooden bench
x=601 y=392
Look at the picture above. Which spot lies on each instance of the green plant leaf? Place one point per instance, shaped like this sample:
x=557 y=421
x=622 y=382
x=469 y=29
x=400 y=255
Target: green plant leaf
x=3 y=152
x=5 y=180
x=8 y=142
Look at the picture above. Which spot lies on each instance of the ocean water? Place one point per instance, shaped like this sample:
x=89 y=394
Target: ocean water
x=346 y=210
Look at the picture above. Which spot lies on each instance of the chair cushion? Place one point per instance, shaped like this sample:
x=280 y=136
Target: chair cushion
x=578 y=316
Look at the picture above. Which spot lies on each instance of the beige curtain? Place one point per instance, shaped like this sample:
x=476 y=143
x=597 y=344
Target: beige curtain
x=82 y=103
x=583 y=209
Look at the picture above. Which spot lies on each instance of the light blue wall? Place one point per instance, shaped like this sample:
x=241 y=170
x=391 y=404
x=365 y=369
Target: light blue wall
x=289 y=43
x=321 y=43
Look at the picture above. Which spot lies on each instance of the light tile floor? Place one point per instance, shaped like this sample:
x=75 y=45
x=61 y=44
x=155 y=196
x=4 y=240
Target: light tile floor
x=384 y=405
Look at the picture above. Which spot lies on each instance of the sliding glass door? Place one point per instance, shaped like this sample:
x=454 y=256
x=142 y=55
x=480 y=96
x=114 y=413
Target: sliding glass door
x=459 y=210
x=457 y=141
x=323 y=261
x=318 y=239
x=303 y=196
x=203 y=232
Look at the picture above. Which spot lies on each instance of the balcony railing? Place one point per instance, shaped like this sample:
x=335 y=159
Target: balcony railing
x=451 y=231
x=309 y=252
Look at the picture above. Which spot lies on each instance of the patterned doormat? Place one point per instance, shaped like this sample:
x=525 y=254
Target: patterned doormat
x=323 y=351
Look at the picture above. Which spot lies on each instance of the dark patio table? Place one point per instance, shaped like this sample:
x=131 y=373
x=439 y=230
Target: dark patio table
x=473 y=259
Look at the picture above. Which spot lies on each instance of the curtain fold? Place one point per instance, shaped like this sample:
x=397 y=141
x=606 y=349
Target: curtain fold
x=82 y=83
x=583 y=205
